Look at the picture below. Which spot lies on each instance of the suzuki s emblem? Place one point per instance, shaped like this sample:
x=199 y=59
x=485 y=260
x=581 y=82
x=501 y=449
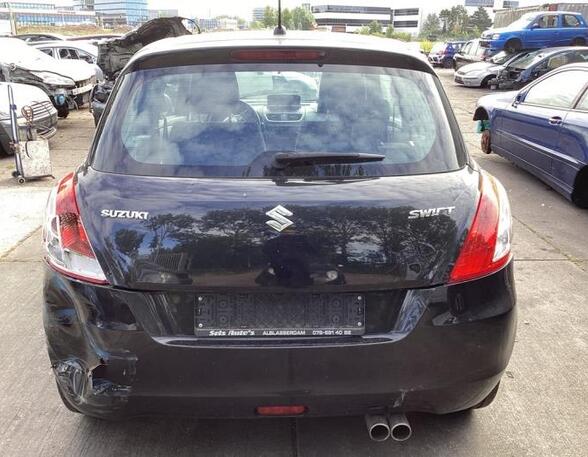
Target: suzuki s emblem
x=279 y=220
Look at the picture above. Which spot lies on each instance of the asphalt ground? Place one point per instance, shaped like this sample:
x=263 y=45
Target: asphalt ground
x=540 y=409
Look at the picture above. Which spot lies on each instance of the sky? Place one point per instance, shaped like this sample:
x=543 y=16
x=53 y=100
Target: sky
x=243 y=8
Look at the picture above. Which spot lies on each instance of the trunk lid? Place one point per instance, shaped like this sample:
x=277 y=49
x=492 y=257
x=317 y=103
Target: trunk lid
x=213 y=234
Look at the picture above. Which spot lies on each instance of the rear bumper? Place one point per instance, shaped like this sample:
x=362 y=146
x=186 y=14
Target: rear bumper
x=447 y=351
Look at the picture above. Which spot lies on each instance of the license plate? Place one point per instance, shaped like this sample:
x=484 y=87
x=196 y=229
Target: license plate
x=279 y=315
x=81 y=90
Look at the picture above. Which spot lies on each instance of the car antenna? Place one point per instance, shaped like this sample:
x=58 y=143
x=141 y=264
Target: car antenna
x=279 y=30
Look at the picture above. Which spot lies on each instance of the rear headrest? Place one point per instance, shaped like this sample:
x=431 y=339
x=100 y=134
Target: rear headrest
x=215 y=92
x=347 y=92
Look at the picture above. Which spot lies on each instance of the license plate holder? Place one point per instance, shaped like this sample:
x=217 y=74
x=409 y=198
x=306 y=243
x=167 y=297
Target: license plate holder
x=278 y=315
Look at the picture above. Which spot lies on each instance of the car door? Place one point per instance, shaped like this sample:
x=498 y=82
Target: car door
x=529 y=129
x=568 y=31
x=543 y=32
x=461 y=56
x=573 y=145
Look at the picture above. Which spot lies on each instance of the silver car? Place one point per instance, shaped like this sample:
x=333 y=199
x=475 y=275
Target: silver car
x=479 y=74
x=44 y=113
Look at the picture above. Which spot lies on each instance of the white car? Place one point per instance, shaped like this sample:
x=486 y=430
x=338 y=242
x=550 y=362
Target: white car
x=479 y=74
x=44 y=113
x=67 y=82
x=72 y=50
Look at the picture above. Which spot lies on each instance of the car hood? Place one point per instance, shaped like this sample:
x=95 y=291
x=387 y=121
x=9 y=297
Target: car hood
x=114 y=54
x=490 y=32
x=476 y=67
x=24 y=94
x=498 y=98
x=74 y=69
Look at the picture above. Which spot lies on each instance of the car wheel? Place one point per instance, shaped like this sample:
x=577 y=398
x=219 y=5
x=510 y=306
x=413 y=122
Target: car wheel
x=486 y=81
x=513 y=45
x=579 y=42
x=580 y=193
x=486 y=142
x=62 y=112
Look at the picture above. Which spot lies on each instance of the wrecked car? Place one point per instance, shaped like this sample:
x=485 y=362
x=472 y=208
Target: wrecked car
x=67 y=83
x=44 y=113
x=113 y=54
x=72 y=50
x=273 y=252
x=526 y=68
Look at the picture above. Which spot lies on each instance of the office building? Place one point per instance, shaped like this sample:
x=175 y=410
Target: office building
x=121 y=12
x=33 y=13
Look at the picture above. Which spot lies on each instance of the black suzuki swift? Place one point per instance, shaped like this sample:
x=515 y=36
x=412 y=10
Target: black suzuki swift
x=278 y=226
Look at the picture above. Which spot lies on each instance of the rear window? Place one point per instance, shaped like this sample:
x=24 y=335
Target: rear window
x=231 y=120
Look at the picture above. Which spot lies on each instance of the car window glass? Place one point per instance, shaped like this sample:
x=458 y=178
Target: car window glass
x=63 y=53
x=570 y=20
x=48 y=51
x=547 y=22
x=583 y=104
x=559 y=90
x=466 y=49
x=228 y=120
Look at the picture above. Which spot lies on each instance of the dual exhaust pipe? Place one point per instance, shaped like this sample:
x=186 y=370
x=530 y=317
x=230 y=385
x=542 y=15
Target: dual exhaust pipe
x=380 y=427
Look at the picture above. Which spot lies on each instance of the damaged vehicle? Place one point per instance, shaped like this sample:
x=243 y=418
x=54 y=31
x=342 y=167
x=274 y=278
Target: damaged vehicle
x=114 y=54
x=480 y=74
x=67 y=83
x=235 y=253
x=526 y=68
x=68 y=50
x=543 y=129
x=44 y=113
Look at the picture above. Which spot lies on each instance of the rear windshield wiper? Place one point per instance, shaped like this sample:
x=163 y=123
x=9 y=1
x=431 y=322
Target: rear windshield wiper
x=284 y=159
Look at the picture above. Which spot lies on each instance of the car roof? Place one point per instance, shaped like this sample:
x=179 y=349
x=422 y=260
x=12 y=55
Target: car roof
x=556 y=50
x=256 y=39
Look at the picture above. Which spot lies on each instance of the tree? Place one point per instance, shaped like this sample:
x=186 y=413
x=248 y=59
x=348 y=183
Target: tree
x=454 y=20
x=302 y=19
x=374 y=27
x=431 y=26
x=270 y=17
x=480 y=20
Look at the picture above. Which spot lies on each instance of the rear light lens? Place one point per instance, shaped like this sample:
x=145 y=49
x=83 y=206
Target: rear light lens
x=66 y=243
x=291 y=410
x=278 y=55
x=487 y=247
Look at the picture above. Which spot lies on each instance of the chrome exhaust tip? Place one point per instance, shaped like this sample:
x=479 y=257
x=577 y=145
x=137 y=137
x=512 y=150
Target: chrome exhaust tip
x=400 y=429
x=377 y=427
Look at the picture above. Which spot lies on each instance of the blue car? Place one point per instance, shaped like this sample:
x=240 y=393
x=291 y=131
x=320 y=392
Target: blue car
x=538 y=30
x=544 y=129
x=441 y=54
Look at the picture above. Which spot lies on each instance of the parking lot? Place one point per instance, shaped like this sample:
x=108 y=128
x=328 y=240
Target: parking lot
x=540 y=409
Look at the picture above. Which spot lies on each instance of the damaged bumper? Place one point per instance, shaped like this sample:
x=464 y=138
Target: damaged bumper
x=118 y=353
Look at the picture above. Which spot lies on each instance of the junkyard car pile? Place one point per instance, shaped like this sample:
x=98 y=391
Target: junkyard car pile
x=542 y=123
x=524 y=51
x=53 y=74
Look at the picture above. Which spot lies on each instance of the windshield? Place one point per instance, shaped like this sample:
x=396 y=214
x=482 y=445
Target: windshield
x=232 y=120
x=522 y=22
x=501 y=57
x=526 y=60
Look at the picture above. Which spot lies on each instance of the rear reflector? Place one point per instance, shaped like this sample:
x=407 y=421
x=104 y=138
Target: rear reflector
x=487 y=247
x=278 y=55
x=293 y=410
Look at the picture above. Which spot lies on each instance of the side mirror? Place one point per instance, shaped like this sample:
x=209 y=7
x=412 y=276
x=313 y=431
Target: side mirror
x=534 y=26
x=518 y=99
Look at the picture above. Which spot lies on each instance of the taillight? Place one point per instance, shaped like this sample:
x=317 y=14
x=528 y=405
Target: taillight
x=67 y=247
x=487 y=247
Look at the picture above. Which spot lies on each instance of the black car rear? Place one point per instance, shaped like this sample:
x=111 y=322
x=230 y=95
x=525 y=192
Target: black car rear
x=271 y=226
